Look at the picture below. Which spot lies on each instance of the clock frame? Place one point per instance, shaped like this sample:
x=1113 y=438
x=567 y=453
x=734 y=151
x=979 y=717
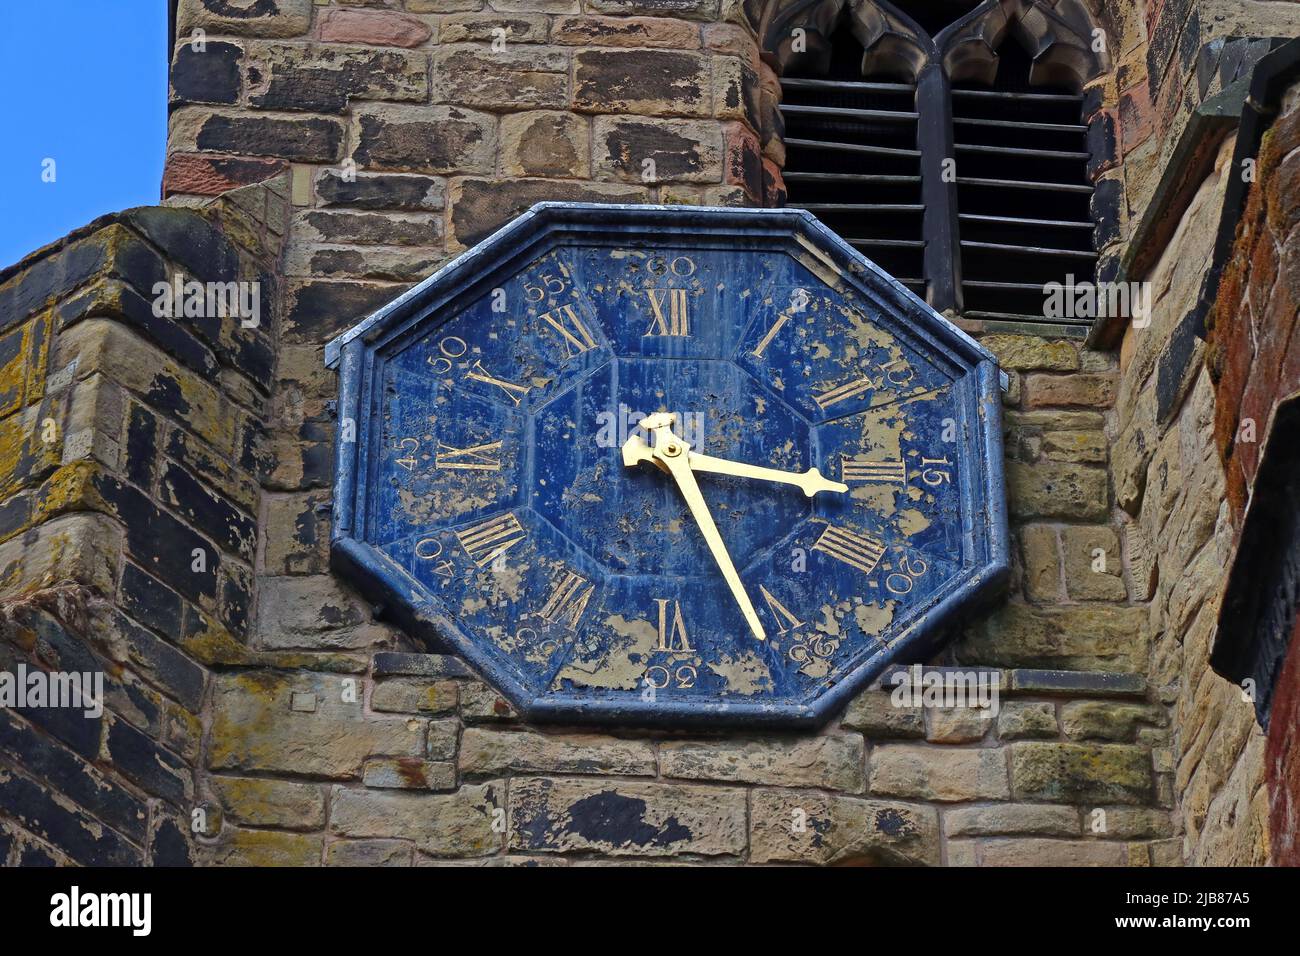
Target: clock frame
x=389 y=527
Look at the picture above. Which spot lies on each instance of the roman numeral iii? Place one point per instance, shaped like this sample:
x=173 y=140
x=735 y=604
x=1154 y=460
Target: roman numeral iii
x=863 y=471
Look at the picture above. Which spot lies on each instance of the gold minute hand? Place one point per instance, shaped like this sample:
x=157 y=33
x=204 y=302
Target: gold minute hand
x=672 y=452
x=810 y=481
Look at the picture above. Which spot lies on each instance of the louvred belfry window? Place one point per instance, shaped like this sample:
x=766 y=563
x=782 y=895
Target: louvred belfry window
x=852 y=159
x=946 y=142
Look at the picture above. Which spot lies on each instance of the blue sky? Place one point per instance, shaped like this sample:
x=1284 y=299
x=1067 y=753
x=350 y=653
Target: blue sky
x=85 y=84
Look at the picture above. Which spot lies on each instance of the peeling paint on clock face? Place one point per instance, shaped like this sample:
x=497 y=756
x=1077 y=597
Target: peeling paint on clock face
x=491 y=503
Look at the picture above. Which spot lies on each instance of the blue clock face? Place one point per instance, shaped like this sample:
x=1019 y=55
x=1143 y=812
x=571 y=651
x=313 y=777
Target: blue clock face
x=670 y=478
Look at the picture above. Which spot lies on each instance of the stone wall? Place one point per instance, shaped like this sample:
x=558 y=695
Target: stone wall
x=1254 y=357
x=130 y=465
x=1184 y=66
x=1179 y=539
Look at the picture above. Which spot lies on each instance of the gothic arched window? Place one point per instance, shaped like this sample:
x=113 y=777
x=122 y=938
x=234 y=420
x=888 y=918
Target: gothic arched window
x=945 y=140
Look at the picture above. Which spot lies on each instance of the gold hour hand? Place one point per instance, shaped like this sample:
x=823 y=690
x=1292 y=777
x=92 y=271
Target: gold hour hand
x=810 y=481
x=670 y=454
x=681 y=472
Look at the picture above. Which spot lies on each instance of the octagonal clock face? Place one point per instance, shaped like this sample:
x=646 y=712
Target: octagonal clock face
x=663 y=476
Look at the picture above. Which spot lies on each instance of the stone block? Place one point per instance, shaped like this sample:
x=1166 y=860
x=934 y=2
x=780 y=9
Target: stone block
x=625 y=31
x=619 y=818
x=957 y=725
x=459 y=824
x=807 y=827
x=829 y=762
x=241 y=847
x=253 y=727
x=1108 y=720
x=657 y=150
x=367 y=853
x=873 y=712
x=426 y=139
x=1078 y=683
x=479 y=703
x=210 y=75
x=272 y=803
x=488 y=27
x=642 y=82
x=545 y=143
x=266 y=18
x=393 y=664
x=1086 y=774
x=1032 y=353
x=706 y=10
x=1003 y=819
x=1041 y=562
x=1074 y=637
x=1048 y=489
x=414 y=695
x=1032 y=851
x=409 y=773
x=306 y=139
x=1081 y=388
x=1021 y=720
x=494 y=752
x=480 y=206
x=936 y=774
x=372 y=27
x=367 y=228
x=1093 y=563
x=381 y=191
x=325 y=79
x=476 y=76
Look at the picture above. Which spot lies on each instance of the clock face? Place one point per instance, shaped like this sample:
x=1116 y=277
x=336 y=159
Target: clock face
x=667 y=477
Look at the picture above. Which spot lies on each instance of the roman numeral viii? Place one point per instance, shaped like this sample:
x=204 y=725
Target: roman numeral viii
x=485 y=541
